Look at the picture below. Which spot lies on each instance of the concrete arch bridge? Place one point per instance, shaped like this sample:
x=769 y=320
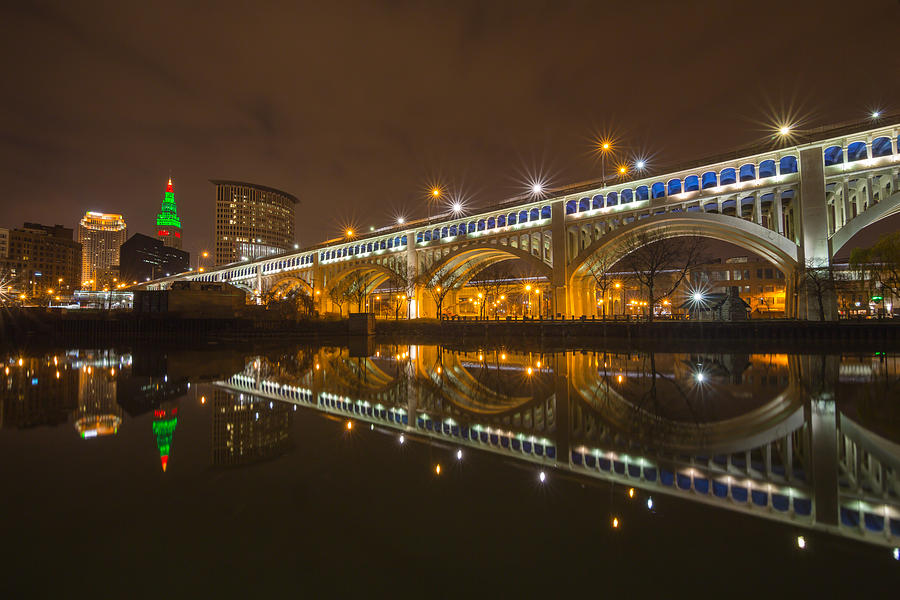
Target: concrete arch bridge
x=794 y=205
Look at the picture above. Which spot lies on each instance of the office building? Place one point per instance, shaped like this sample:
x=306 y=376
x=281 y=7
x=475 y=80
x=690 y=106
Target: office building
x=4 y=243
x=43 y=259
x=101 y=236
x=252 y=221
x=168 y=225
x=142 y=258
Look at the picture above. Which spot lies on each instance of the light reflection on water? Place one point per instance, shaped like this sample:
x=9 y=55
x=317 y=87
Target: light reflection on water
x=809 y=440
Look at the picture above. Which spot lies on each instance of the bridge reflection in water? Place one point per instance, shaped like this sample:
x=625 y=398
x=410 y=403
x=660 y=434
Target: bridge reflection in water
x=794 y=438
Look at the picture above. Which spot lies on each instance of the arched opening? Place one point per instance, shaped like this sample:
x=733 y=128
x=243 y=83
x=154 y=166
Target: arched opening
x=857 y=151
x=765 y=262
x=881 y=147
x=834 y=155
x=788 y=165
x=487 y=282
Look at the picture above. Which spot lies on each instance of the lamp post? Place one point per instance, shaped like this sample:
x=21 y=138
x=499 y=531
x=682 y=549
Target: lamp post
x=200 y=256
x=433 y=197
x=604 y=148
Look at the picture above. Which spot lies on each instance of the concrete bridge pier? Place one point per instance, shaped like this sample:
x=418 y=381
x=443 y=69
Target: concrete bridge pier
x=819 y=375
x=815 y=249
x=559 y=297
x=562 y=416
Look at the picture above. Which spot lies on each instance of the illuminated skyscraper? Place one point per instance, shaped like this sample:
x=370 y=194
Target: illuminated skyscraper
x=100 y=235
x=252 y=221
x=168 y=225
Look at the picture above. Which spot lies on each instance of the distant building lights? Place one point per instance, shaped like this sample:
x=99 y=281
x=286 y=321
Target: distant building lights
x=402 y=439
x=459 y=455
x=542 y=477
x=801 y=542
x=649 y=503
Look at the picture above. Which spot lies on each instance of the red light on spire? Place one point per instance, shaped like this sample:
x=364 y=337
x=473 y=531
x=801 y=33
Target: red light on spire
x=164 y=459
x=169 y=187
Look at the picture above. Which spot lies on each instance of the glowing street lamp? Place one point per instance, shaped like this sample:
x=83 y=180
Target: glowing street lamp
x=400 y=220
x=605 y=148
x=349 y=233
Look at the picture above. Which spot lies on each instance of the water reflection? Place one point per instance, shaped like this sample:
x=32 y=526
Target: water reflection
x=806 y=440
x=809 y=440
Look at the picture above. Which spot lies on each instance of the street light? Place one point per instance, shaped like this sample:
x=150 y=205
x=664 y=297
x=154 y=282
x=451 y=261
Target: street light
x=436 y=194
x=605 y=147
x=349 y=233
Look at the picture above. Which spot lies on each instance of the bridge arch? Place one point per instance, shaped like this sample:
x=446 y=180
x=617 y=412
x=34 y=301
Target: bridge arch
x=463 y=263
x=775 y=248
x=287 y=283
x=375 y=273
x=779 y=415
x=888 y=207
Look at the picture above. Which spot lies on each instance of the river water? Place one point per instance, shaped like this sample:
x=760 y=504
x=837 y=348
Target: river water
x=421 y=470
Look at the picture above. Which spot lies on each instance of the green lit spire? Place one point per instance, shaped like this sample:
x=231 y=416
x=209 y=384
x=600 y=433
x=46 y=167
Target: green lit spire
x=168 y=214
x=164 y=430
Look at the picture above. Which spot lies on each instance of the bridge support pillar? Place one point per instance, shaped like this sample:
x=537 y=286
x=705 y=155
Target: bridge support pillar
x=559 y=297
x=819 y=375
x=414 y=288
x=563 y=416
x=814 y=243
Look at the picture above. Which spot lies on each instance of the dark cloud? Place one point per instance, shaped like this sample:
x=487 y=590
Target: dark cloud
x=355 y=106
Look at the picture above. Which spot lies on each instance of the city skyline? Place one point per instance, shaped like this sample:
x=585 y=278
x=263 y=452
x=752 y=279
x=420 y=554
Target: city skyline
x=363 y=147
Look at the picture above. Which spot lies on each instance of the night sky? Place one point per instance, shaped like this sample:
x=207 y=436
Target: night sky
x=356 y=107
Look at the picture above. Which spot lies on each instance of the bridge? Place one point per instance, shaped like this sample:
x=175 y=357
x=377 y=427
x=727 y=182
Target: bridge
x=789 y=455
x=795 y=206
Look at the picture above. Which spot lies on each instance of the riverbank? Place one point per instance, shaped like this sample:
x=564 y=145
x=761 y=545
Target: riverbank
x=29 y=327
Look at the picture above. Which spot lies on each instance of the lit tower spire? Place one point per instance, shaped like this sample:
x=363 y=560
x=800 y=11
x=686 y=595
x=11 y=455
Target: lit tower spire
x=164 y=423
x=168 y=225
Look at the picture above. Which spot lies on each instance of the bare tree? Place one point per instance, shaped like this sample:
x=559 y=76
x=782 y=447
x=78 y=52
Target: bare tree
x=880 y=264
x=338 y=295
x=652 y=255
x=439 y=284
x=401 y=285
x=356 y=288
x=817 y=280
x=604 y=278
x=291 y=303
